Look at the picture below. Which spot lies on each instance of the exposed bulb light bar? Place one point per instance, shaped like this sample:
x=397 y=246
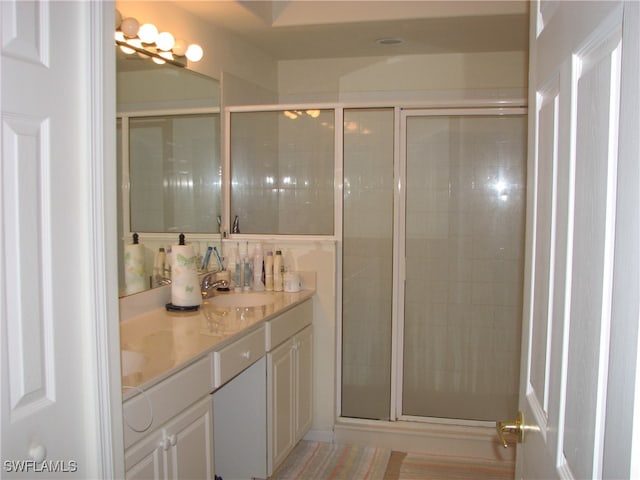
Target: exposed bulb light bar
x=145 y=39
x=148 y=33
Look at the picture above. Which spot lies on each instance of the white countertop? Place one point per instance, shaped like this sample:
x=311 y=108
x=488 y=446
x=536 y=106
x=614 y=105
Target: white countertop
x=169 y=341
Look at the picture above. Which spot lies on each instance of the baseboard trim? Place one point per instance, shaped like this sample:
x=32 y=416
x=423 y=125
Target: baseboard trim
x=434 y=438
x=326 y=436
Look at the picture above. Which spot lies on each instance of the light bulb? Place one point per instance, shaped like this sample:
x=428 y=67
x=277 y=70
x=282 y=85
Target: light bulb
x=194 y=52
x=130 y=26
x=148 y=33
x=165 y=41
x=158 y=60
x=127 y=50
x=119 y=36
x=134 y=42
x=180 y=48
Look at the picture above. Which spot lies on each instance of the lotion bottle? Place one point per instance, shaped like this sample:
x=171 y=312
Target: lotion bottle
x=268 y=271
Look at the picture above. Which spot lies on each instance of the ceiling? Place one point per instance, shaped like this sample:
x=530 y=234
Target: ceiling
x=305 y=29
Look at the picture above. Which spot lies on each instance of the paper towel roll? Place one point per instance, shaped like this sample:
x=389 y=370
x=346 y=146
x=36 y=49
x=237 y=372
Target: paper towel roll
x=185 y=288
x=135 y=279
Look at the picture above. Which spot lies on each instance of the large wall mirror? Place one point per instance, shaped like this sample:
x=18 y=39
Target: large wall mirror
x=169 y=158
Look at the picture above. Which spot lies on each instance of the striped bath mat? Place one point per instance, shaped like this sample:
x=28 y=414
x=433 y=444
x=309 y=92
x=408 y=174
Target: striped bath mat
x=327 y=461
x=423 y=466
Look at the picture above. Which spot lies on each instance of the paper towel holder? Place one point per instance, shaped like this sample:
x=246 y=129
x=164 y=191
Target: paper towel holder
x=177 y=308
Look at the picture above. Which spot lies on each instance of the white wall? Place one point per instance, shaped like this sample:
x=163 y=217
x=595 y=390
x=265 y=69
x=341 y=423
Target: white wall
x=401 y=78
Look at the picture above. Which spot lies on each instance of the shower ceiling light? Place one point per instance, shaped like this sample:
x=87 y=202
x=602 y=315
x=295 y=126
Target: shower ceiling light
x=144 y=39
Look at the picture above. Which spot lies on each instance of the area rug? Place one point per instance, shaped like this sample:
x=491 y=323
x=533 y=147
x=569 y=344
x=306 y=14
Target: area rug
x=331 y=461
x=422 y=466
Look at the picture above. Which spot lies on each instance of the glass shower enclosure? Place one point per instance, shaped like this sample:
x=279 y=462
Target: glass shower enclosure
x=433 y=253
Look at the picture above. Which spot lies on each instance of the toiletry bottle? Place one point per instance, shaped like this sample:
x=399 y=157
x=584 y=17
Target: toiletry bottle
x=278 y=267
x=237 y=273
x=198 y=256
x=246 y=261
x=268 y=271
x=168 y=262
x=161 y=259
x=258 y=267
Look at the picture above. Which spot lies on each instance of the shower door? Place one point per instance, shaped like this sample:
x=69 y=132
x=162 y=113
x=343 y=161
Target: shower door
x=463 y=211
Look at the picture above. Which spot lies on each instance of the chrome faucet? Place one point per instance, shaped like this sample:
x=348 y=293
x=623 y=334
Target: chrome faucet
x=209 y=285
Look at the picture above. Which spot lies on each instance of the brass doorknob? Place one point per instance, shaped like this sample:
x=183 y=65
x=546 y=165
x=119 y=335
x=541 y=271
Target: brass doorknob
x=516 y=427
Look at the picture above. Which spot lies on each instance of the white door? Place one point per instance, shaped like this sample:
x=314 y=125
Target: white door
x=581 y=288
x=53 y=301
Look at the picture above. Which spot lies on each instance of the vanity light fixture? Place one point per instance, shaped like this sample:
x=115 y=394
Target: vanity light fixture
x=145 y=39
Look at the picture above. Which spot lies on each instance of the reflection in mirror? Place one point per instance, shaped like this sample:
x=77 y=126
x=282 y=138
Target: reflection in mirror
x=169 y=168
x=174 y=185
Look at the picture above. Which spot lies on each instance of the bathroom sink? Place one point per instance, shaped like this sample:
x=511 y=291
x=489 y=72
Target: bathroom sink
x=131 y=362
x=241 y=300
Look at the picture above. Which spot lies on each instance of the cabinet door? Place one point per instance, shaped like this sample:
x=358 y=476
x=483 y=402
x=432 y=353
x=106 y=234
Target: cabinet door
x=145 y=460
x=281 y=399
x=190 y=437
x=303 y=343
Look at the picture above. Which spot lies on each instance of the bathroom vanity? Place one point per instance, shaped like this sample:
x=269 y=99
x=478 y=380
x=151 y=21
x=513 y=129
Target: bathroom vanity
x=238 y=370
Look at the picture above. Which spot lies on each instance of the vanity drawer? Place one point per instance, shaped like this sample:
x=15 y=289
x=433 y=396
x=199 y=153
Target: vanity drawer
x=153 y=407
x=288 y=324
x=234 y=358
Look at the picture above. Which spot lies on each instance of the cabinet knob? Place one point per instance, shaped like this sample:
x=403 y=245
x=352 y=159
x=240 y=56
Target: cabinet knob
x=247 y=354
x=165 y=444
x=173 y=440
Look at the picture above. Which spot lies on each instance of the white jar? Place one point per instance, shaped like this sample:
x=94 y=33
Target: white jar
x=292 y=282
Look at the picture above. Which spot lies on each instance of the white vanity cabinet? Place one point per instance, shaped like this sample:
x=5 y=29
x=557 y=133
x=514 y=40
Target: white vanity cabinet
x=168 y=431
x=289 y=381
x=182 y=449
x=238 y=403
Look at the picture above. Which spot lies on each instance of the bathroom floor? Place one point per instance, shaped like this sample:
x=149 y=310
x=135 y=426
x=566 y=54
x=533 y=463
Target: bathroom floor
x=320 y=461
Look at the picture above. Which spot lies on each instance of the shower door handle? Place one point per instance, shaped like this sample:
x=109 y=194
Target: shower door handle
x=516 y=427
